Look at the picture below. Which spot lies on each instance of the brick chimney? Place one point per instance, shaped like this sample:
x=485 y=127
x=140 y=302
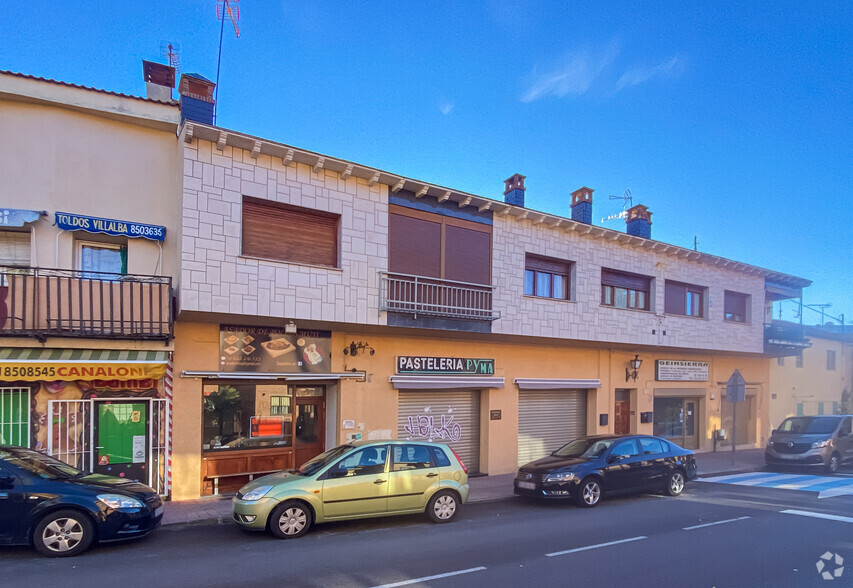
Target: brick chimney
x=514 y=192
x=582 y=205
x=639 y=222
x=196 y=98
x=159 y=80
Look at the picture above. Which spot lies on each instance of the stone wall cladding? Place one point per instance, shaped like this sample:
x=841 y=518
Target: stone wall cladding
x=584 y=318
x=216 y=278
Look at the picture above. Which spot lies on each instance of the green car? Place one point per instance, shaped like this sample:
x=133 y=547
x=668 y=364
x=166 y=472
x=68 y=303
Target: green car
x=353 y=481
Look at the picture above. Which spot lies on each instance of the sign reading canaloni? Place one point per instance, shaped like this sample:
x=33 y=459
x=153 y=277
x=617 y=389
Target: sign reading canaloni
x=464 y=366
x=32 y=371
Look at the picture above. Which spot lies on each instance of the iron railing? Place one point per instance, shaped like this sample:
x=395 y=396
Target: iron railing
x=780 y=340
x=45 y=302
x=419 y=295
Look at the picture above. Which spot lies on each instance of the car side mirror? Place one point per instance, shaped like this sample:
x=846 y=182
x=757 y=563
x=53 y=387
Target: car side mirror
x=7 y=482
x=614 y=458
x=774 y=431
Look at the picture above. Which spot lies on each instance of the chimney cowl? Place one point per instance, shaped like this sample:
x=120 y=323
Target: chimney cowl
x=582 y=205
x=159 y=80
x=514 y=191
x=196 y=98
x=639 y=221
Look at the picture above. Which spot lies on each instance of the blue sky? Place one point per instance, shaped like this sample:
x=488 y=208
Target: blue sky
x=732 y=122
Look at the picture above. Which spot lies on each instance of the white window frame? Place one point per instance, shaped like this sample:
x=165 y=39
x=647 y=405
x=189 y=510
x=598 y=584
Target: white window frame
x=80 y=244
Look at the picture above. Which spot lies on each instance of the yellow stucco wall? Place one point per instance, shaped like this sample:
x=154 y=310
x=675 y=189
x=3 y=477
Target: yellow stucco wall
x=812 y=383
x=373 y=402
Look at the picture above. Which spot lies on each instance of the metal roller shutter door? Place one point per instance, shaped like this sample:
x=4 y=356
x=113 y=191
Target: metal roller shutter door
x=548 y=419
x=426 y=409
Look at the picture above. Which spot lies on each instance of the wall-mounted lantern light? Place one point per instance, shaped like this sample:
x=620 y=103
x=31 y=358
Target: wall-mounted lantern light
x=633 y=369
x=354 y=348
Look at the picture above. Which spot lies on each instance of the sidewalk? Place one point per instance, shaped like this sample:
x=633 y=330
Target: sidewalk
x=483 y=488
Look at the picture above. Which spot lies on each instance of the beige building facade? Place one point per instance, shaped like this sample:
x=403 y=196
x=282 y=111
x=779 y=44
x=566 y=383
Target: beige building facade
x=88 y=247
x=818 y=380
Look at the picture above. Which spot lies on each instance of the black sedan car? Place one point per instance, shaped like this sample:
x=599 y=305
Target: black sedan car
x=588 y=468
x=61 y=510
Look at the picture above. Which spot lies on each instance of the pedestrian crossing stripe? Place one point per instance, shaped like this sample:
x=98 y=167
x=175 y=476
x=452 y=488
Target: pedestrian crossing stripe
x=826 y=485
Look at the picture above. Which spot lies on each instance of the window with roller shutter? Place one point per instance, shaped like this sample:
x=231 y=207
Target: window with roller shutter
x=281 y=232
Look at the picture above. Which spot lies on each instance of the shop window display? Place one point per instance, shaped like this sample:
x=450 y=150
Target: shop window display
x=246 y=416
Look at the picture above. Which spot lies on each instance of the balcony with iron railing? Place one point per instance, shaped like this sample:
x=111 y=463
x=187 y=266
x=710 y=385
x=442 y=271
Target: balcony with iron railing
x=433 y=297
x=784 y=339
x=44 y=302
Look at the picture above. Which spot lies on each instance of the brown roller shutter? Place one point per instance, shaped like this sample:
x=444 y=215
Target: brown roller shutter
x=414 y=246
x=735 y=303
x=625 y=280
x=467 y=255
x=277 y=231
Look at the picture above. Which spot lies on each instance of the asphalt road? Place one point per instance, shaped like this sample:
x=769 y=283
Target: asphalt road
x=713 y=535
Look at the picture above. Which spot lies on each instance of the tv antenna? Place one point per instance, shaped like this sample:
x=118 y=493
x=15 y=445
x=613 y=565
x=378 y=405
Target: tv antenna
x=171 y=52
x=628 y=203
x=230 y=9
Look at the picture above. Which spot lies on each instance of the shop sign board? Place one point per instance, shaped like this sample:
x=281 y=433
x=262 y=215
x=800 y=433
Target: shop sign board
x=35 y=370
x=263 y=349
x=445 y=366
x=671 y=370
x=120 y=228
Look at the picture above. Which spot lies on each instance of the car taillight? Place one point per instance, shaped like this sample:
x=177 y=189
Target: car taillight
x=462 y=465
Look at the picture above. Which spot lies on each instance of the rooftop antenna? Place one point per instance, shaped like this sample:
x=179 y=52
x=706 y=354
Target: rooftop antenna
x=171 y=52
x=628 y=203
x=229 y=8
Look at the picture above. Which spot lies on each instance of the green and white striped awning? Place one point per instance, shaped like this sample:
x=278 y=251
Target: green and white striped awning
x=30 y=364
x=83 y=355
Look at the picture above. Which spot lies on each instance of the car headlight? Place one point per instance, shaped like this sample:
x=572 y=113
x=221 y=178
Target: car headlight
x=819 y=444
x=256 y=494
x=119 y=501
x=560 y=477
x=772 y=443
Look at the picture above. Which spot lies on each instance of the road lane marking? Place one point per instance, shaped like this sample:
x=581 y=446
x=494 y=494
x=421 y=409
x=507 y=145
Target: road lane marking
x=435 y=577
x=818 y=515
x=596 y=546
x=715 y=523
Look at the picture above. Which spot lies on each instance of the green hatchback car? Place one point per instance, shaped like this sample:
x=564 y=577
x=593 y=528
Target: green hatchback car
x=357 y=480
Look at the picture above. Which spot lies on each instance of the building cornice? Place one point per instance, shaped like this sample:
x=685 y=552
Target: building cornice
x=289 y=155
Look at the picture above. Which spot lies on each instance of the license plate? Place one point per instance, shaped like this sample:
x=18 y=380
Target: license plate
x=527 y=485
x=158 y=511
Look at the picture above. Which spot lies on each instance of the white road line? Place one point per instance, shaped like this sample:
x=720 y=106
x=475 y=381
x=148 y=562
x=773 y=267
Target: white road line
x=818 y=515
x=436 y=577
x=608 y=544
x=715 y=523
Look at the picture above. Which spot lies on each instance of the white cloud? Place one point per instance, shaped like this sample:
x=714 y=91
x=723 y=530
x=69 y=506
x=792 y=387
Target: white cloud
x=640 y=74
x=446 y=106
x=573 y=75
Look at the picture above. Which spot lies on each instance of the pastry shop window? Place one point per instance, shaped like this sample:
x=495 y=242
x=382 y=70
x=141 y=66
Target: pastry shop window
x=246 y=416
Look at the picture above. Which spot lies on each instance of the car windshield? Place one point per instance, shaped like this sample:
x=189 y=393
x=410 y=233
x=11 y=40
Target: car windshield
x=312 y=466
x=585 y=448
x=809 y=425
x=39 y=464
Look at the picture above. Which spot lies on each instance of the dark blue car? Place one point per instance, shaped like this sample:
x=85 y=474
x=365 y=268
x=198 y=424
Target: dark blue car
x=588 y=468
x=61 y=510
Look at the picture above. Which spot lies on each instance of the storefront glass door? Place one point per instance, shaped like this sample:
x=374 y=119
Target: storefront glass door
x=309 y=424
x=675 y=419
x=121 y=439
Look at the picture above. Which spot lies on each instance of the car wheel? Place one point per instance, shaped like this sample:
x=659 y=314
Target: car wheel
x=833 y=464
x=290 y=519
x=442 y=507
x=675 y=483
x=63 y=533
x=589 y=492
